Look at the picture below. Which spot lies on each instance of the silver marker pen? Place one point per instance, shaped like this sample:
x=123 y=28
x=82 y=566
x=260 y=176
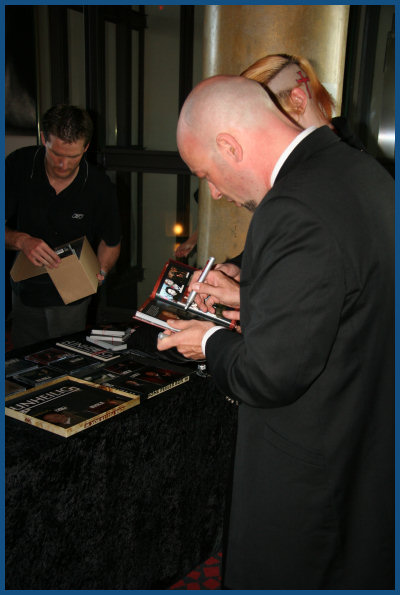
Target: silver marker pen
x=202 y=278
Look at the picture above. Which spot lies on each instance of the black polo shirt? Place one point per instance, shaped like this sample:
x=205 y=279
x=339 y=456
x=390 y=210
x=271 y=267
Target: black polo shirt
x=87 y=207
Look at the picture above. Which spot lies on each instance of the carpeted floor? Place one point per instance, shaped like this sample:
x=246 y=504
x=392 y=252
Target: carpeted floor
x=205 y=576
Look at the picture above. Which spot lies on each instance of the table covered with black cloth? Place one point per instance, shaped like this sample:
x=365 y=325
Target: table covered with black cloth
x=134 y=502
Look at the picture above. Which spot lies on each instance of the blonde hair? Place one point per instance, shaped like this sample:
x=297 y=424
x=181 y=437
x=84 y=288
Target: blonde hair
x=267 y=68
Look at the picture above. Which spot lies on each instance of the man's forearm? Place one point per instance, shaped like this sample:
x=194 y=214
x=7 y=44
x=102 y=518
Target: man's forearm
x=14 y=239
x=107 y=256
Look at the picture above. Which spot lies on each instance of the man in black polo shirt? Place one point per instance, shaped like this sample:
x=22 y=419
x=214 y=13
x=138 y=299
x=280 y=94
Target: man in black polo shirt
x=53 y=196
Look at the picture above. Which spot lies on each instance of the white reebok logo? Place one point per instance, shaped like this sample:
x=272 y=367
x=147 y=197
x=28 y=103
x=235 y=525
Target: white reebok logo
x=78 y=216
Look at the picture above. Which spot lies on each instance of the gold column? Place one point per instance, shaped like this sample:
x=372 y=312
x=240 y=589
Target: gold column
x=234 y=38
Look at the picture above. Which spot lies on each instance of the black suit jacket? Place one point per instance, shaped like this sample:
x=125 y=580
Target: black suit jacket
x=312 y=500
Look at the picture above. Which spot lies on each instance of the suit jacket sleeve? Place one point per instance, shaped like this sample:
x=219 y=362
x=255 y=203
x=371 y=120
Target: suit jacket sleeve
x=292 y=292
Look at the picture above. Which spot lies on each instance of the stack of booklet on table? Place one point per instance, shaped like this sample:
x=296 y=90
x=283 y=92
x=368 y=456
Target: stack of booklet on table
x=115 y=340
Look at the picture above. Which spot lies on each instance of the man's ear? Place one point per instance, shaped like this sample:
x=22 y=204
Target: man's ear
x=229 y=146
x=298 y=100
x=42 y=138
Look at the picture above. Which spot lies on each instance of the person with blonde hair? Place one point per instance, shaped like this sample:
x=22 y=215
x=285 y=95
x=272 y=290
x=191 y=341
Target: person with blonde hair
x=299 y=92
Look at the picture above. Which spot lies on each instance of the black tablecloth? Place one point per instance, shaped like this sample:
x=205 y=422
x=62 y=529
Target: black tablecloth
x=135 y=502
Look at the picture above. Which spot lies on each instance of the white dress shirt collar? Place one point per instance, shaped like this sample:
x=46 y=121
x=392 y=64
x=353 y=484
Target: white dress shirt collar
x=288 y=150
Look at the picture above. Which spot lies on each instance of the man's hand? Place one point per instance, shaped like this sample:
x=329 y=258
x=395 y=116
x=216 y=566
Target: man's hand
x=218 y=289
x=185 y=248
x=230 y=269
x=188 y=339
x=38 y=252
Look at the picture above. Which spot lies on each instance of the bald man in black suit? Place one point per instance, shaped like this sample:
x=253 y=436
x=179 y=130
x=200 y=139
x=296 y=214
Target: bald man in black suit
x=313 y=368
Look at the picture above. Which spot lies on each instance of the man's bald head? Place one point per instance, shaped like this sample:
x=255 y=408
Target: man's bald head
x=229 y=124
x=222 y=103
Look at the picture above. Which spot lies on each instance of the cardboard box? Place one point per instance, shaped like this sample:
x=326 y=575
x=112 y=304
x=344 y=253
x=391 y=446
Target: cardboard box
x=74 y=278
